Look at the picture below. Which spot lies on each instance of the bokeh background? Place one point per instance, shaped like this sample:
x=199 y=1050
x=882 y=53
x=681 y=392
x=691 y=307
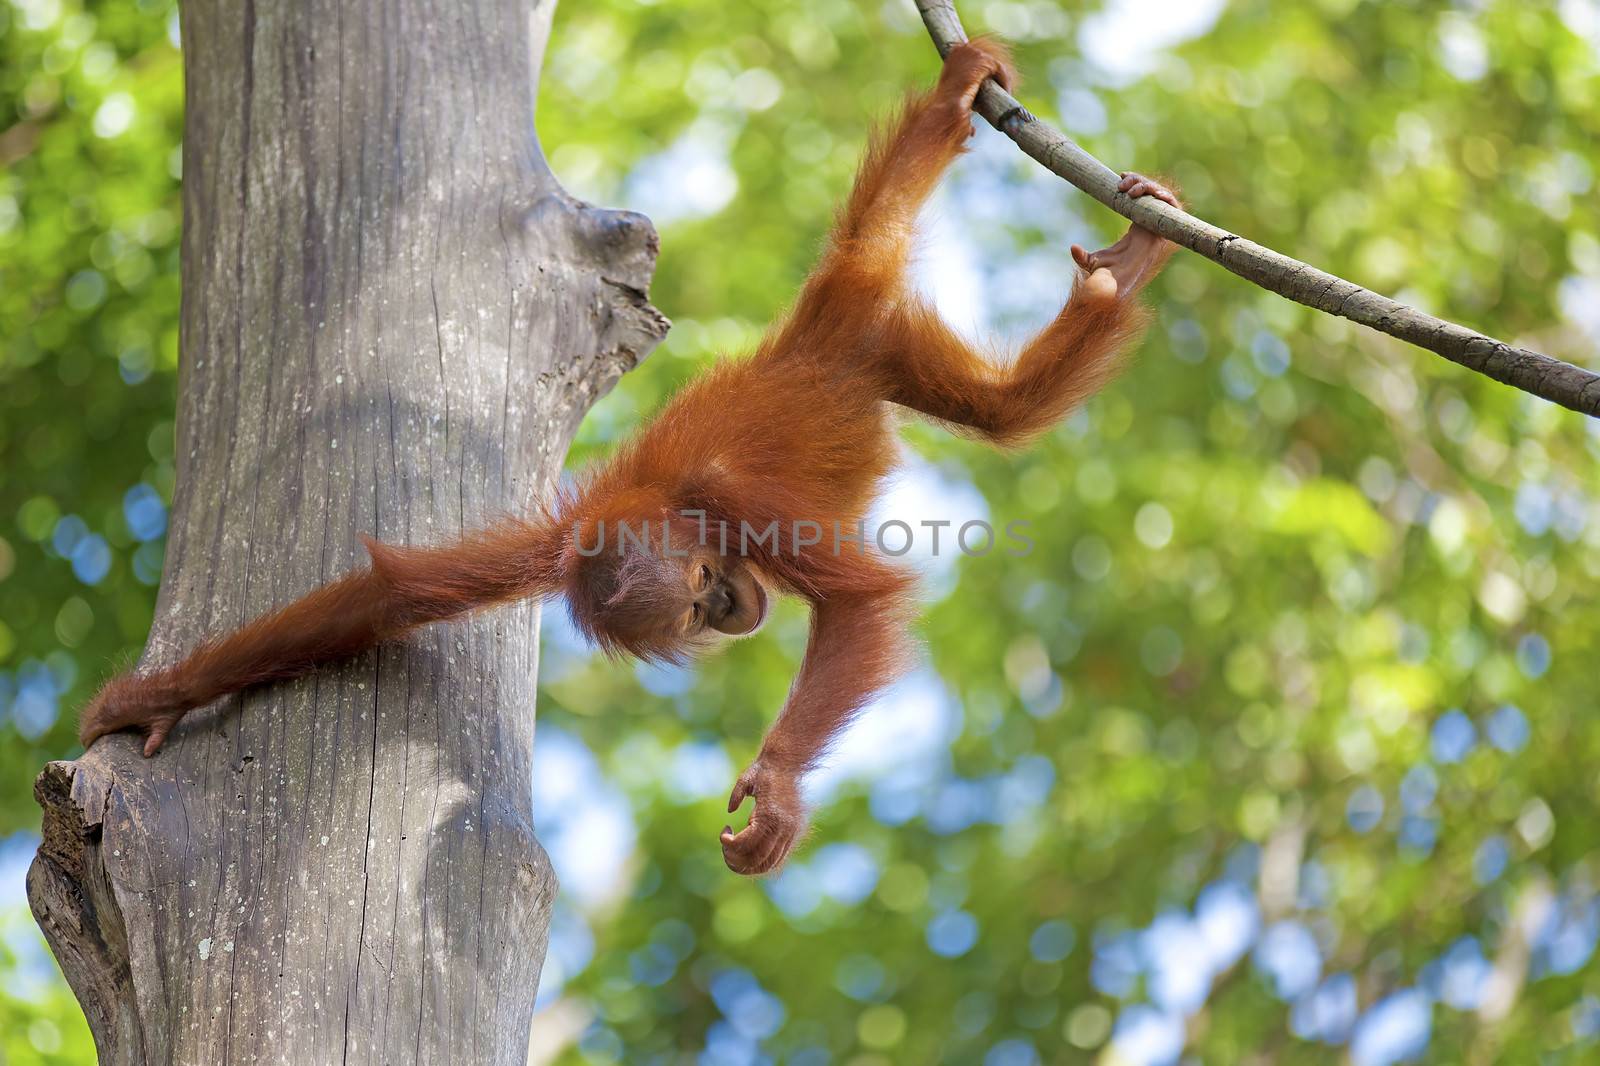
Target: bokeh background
x=1282 y=746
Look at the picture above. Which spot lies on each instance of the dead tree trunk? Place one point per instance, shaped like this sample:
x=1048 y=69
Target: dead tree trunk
x=393 y=319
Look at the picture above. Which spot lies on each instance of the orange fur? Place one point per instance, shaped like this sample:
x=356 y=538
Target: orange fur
x=799 y=431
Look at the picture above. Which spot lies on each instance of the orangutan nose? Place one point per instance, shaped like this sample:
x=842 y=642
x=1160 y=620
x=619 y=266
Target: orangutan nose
x=719 y=603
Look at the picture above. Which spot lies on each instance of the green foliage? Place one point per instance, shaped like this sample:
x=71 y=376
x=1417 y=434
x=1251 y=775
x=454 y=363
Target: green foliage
x=91 y=112
x=1269 y=564
x=39 y=1020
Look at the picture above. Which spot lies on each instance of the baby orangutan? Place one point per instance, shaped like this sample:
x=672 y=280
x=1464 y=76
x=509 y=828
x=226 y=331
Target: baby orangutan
x=671 y=545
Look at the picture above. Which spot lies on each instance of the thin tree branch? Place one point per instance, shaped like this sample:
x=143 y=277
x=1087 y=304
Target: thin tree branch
x=1570 y=386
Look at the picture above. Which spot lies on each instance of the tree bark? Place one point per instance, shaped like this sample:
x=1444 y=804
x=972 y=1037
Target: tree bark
x=393 y=320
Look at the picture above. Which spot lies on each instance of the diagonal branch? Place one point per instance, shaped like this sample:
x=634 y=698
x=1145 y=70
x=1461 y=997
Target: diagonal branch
x=1570 y=386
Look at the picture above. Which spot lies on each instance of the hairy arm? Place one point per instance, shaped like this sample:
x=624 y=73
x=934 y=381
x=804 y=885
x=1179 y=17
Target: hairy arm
x=858 y=646
x=872 y=237
x=930 y=368
x=402 y=589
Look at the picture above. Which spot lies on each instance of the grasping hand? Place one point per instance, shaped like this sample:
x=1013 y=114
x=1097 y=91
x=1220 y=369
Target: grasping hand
x=969 y=65
x=776 y=824
x=132 y=701
x=1132 y=260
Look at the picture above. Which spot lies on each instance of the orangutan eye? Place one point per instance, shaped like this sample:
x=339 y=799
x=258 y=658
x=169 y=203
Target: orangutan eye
x=696 y=615
x=705 y=575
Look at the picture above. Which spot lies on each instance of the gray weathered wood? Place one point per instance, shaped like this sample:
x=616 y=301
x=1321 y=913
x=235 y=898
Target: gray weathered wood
x=1559 y=382
x=393 y=319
